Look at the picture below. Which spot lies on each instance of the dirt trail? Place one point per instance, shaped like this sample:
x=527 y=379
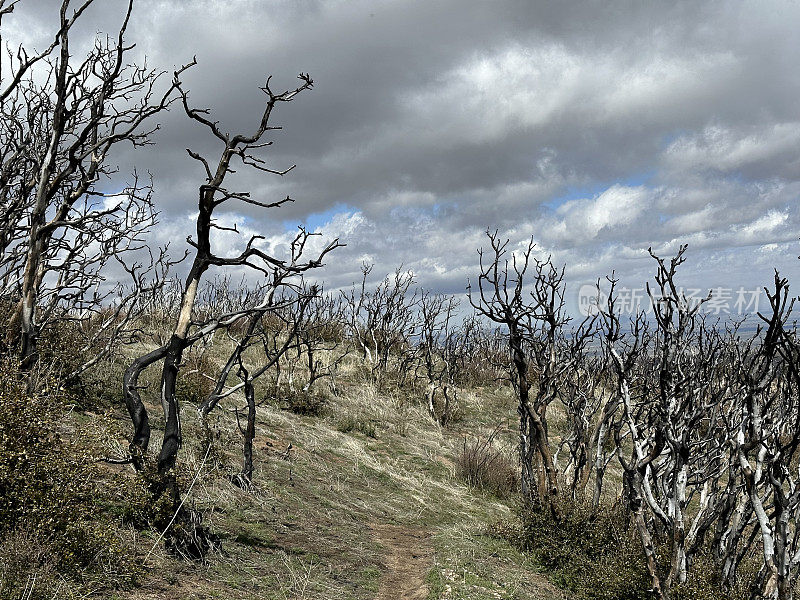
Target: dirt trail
x=408 y=559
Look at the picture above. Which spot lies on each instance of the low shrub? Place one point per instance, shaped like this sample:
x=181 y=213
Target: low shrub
x=51 y=490
x=595 y=553
x=591 y=554
x=299 y=401
x=357 y=422
x=485 y=467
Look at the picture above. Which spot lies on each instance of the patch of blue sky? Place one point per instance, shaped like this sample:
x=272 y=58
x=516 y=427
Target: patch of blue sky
x=595 y=189
x=314 y=221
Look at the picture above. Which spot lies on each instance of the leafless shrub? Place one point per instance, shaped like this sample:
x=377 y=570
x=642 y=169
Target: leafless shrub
x=381 y=321
x=483 y=466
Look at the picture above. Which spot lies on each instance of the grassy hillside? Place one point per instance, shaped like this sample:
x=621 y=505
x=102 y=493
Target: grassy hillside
x=362 y=499
x=368 y=500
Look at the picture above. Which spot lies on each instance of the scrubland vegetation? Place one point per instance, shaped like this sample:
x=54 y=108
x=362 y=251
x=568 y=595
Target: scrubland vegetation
x=381 y=441
x=670 y=447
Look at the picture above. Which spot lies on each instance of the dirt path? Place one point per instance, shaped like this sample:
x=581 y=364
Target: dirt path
x=408 y=558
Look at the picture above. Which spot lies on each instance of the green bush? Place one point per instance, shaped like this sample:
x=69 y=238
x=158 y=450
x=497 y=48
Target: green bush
x=51 y=491
x=591 y=554
x=596 y=554
x=299 y=401
x=703 y=581
x=356 y=422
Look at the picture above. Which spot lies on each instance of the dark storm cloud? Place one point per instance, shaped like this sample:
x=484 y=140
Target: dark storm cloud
x=598 y=128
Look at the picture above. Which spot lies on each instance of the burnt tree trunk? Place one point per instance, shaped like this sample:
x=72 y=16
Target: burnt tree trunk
x=172 y=428
x=136 y=408
x=249 y=429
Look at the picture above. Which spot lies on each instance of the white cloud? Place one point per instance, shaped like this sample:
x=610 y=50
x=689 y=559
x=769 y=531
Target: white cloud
x=534 y=86
x=766 y=225
x=578 y=222
x=729 y=150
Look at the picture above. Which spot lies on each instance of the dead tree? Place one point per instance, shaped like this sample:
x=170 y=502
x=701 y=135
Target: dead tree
x=581 y=391
x=320 y=336
x=555 y=358
x=382 y=321
x=674 y=419
x=25 y=136
x=437 y=348
x=187 y=330
x=113 y=318
x=765 y=440
x=501 y=299
x=286 y=302
x=623 y=353
x=482 y=353
x=81 y=111
x=22 y=134
x=77 y=296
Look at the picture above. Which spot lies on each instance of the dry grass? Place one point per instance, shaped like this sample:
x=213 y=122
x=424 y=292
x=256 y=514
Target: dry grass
x=486 y=467
x=302 y=531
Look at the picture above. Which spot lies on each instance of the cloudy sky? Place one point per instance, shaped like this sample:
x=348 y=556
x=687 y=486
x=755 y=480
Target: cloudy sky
x=598 y=128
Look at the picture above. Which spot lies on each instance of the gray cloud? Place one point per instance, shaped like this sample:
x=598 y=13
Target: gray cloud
x=597 y=128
